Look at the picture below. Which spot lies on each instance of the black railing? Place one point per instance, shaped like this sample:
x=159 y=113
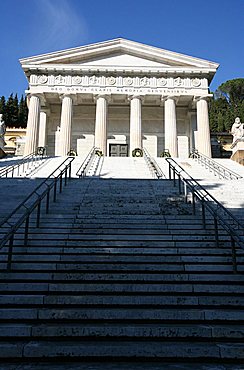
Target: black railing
x=48 y=188
x=213 y=166
x=24 y=164
x=153 y=166
x=86 y=165
x=221 y=216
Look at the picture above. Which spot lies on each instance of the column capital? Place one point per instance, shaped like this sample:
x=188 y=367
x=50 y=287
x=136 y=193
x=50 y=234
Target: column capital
x=204 y=97
x=169 y=97
x=107 y=97
x=135 y=96
x=41 y=98
x=73 y=97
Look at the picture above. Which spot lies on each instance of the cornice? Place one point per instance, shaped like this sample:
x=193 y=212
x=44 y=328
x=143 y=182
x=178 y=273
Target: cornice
x=72 y=69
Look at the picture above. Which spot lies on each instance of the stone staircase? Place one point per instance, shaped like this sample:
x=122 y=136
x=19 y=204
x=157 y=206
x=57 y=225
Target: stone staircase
x=121 y=275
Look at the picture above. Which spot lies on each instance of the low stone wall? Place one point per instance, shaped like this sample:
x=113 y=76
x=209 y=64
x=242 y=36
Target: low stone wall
x=238 y=156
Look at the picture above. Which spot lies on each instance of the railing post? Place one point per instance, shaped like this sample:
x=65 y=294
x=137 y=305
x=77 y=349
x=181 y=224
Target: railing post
x=174 y=177
x=10 y=252
x=216 y=232
x=179 y=183
x=203 y=215
x=169 y=171
x=60 y=182
x=65 y=176
x=26 y=230
x=233 y=248
x=69 y=170
x=38 y=214
x=55 y=190
x=185 y=192
x=47 y=200
x=193 y=202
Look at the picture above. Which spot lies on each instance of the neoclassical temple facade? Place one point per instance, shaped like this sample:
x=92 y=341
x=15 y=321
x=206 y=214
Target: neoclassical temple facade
x=118 y=95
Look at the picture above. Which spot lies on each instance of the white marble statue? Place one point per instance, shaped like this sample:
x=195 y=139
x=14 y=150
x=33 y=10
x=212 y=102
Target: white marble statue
x=237 y=129
x=2 y=132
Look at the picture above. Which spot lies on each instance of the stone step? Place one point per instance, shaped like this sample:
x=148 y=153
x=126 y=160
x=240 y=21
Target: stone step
x=81 y=250
x=119 y=258
x=142 y=287
x=120 y=314
x=142 y=277
x=197 y=300
x=126 y=349
x=140 y=331
x=106 y=364
x=203 y=236
x=111 y=267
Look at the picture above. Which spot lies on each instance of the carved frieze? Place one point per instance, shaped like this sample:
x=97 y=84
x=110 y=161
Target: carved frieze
x=42 y=79
x=128 y=81
x=111 y=80
x=196 y=82
x=118 y=82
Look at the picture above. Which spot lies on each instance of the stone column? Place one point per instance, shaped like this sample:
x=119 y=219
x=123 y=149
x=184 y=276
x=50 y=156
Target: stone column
x=32 y=125
x=65 y=125
x=42 y=127
x=101 y=123
x=203 y=134
x=135 y=123
x=170 y=126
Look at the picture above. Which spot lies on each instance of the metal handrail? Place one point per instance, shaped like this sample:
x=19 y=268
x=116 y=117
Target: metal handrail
x=221 y=215
x=26 y=162
x=32 y=202
x=86 y=164
x=218 y=169
x=153 y=166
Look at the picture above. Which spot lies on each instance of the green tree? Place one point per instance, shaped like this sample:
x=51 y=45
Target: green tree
x=3 y=107
x=22 y=113
x=227 y=104
x=12 y=108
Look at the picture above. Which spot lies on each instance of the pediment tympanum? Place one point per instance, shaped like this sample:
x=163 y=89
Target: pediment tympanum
x=118 y=53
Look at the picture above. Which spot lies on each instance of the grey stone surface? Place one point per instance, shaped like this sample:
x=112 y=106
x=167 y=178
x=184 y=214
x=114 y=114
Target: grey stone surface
x=114 y=272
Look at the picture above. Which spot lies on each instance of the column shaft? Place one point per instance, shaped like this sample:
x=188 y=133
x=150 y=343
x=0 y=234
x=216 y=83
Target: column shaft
x=65 y=126
x=101 y=124
x=135 y=123
x=32 y=125
x=203 y=134
x=42 y=129
x=170 y=127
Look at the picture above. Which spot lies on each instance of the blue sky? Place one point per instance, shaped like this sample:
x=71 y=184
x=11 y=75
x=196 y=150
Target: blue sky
x=208 y=29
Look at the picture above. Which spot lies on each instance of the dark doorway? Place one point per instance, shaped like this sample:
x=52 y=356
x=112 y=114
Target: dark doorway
x=118 y=150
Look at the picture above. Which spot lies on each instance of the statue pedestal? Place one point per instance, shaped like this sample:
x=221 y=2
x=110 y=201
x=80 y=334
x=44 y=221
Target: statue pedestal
x=238 y=151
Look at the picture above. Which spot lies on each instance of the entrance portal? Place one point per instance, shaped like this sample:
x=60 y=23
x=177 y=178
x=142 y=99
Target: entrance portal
x=118 y=150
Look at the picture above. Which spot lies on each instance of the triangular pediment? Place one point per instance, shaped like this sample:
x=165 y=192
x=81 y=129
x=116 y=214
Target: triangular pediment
x=122 y=59
x=118 y=53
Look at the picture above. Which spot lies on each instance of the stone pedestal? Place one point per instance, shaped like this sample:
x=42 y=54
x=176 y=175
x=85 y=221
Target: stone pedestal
x=32 y=125
x=170 y=126
x=64 y=144
x=101 y=123
x=238 y=151
x=203 y=132
x=135 y=123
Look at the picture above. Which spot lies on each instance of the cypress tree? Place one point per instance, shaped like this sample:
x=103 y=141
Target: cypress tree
x=3 y=107
x=22 y=113
x=12 y=111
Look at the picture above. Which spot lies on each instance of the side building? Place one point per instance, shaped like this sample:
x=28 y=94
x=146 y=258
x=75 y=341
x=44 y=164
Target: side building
x=118 y=95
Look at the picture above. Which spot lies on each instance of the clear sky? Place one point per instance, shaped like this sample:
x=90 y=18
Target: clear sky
x=208 y=29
